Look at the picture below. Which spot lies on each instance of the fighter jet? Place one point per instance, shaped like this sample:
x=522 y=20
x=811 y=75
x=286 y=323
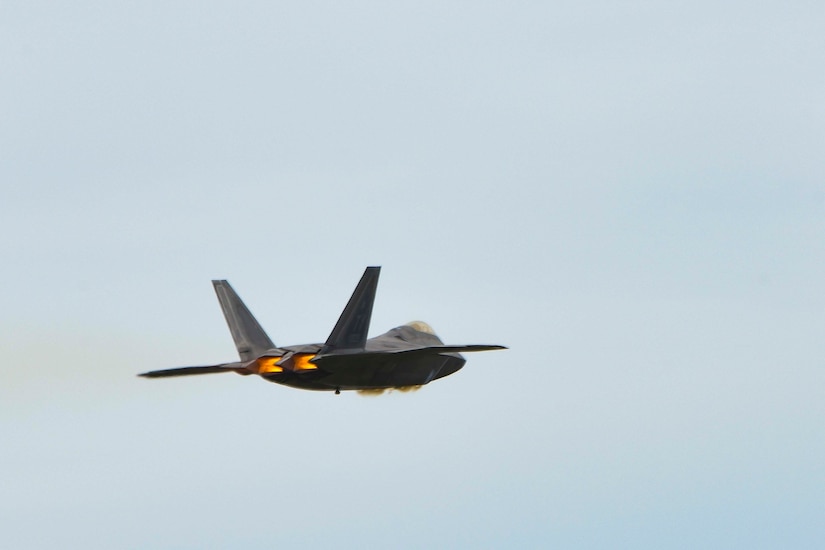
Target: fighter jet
x=406 y=356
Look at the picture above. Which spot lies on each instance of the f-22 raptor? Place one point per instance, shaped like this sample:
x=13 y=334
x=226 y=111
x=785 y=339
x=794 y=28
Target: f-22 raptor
x=407 y=356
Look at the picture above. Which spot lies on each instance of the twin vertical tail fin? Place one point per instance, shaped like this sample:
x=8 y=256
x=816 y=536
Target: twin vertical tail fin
x=249 y=337
x=350 y=332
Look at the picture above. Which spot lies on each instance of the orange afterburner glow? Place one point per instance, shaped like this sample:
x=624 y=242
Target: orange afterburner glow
x=298 y=362
x=267 y=365
x=301 y=362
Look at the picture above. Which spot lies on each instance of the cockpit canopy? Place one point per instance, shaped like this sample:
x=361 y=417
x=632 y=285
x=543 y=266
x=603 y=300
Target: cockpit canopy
x=421 y=326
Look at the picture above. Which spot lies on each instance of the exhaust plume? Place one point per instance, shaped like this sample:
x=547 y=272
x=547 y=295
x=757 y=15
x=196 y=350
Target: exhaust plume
x=372 y=392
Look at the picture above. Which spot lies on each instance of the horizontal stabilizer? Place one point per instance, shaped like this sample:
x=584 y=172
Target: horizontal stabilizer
x=188 y=371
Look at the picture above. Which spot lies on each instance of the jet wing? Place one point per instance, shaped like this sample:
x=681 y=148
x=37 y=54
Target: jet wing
x=450 y=349
x=332 y=362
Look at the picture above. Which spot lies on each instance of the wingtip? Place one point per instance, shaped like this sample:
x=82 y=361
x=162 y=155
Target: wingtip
x=152 y=374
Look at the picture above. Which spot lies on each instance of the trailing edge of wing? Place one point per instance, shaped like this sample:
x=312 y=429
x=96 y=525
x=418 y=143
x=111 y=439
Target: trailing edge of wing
x=188 y=371
x=350 y=332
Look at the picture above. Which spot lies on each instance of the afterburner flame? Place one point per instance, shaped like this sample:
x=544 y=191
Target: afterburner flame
x=301 y=361
x=267 y=365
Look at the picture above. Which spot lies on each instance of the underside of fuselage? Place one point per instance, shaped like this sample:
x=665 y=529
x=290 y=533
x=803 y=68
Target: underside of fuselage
x=372 y=371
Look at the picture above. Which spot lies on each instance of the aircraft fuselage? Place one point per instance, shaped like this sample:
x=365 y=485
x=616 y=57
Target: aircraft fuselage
x=407 y=356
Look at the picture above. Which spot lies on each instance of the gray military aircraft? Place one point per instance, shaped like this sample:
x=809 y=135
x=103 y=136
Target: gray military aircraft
x=407 y=356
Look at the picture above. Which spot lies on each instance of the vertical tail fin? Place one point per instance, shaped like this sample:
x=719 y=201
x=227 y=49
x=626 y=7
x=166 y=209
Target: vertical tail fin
x=249 y=337
x=350 y=332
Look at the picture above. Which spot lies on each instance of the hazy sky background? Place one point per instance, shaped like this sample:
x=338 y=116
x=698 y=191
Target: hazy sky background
x=629 y=195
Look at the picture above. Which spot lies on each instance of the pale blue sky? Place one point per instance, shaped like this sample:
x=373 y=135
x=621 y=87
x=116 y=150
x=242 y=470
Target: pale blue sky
x=629 y=195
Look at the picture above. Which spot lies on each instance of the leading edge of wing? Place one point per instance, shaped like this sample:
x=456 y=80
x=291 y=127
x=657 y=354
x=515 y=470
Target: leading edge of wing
x=329 y=360
x=451 y=349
